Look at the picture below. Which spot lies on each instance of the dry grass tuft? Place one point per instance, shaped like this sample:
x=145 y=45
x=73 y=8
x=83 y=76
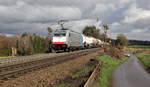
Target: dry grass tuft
x=116 y=52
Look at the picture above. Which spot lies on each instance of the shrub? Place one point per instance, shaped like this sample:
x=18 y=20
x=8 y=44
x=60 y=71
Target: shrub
x=6 y=43
x=114 y=51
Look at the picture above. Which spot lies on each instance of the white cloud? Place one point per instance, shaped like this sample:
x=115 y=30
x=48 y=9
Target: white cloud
x=123 y=16
x=134 y=14
x=23 y=12
x=102 y=8
x=65 y=13
x=139 y=31
x=14 y=28
x=138 y=36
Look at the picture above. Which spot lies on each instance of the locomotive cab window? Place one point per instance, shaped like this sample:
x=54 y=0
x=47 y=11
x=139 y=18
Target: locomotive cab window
x=59 y=34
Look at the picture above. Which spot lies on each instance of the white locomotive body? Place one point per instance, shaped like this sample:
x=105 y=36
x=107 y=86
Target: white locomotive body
x=66 y=40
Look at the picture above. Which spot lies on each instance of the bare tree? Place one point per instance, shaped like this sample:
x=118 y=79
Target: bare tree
x=106 y=28
x=48 y=41
x=49 y=30
x=6 y=44
x=122 y=40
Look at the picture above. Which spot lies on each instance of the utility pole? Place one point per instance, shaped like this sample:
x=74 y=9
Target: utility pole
x=105 y=26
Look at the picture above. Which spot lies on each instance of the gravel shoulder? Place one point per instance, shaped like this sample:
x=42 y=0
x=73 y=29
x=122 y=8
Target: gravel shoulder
x=50 y=75
x=21 y=59
x=131 y=74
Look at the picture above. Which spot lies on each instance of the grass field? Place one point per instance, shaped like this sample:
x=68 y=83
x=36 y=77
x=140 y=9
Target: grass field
x=108 y=65
x=2 y=57
x=139 y=46
x=145 y=58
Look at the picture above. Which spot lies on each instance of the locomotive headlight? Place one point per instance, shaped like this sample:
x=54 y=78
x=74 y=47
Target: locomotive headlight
x=64 y=45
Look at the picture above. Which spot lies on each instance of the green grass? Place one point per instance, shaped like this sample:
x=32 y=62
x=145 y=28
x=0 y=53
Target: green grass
x=82 y=72
x=108 y=65
x=2 y=57
x=145 y=58
x=139 y=46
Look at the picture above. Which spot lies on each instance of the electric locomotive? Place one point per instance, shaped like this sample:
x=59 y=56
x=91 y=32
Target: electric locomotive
x=66 y=40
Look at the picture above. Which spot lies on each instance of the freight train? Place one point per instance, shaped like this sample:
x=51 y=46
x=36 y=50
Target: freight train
x=68 y=40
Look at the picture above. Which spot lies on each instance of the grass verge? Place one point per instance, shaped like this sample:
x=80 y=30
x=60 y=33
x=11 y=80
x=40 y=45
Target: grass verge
x=2 y=57
x=108 y=65
x=82 y=72
x=145 y=58
x=139 y=46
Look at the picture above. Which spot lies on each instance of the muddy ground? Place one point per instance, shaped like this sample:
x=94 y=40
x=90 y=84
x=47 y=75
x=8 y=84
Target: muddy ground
x=50 y=75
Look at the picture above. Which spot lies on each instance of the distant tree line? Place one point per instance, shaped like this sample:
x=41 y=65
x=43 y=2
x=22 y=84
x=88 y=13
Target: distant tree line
x=138 y=42
x=133 y=42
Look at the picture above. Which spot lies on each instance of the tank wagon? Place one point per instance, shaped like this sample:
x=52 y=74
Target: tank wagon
x=68 y=40
x=87 y=41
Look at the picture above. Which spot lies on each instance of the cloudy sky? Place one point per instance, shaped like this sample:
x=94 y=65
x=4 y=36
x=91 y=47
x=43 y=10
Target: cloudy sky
x=130 y=17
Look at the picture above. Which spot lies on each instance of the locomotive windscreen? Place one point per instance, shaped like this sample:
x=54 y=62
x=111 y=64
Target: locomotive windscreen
x=60 y=33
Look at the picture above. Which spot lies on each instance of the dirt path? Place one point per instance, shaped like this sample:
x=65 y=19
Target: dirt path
x=131 y=74
x=51 y=75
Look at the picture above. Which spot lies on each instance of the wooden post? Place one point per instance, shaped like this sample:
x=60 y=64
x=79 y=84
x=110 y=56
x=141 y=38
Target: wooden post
x=14 y=52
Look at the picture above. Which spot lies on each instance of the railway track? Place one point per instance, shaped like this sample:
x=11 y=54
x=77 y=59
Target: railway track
x=14 y=70
x=10 y=60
